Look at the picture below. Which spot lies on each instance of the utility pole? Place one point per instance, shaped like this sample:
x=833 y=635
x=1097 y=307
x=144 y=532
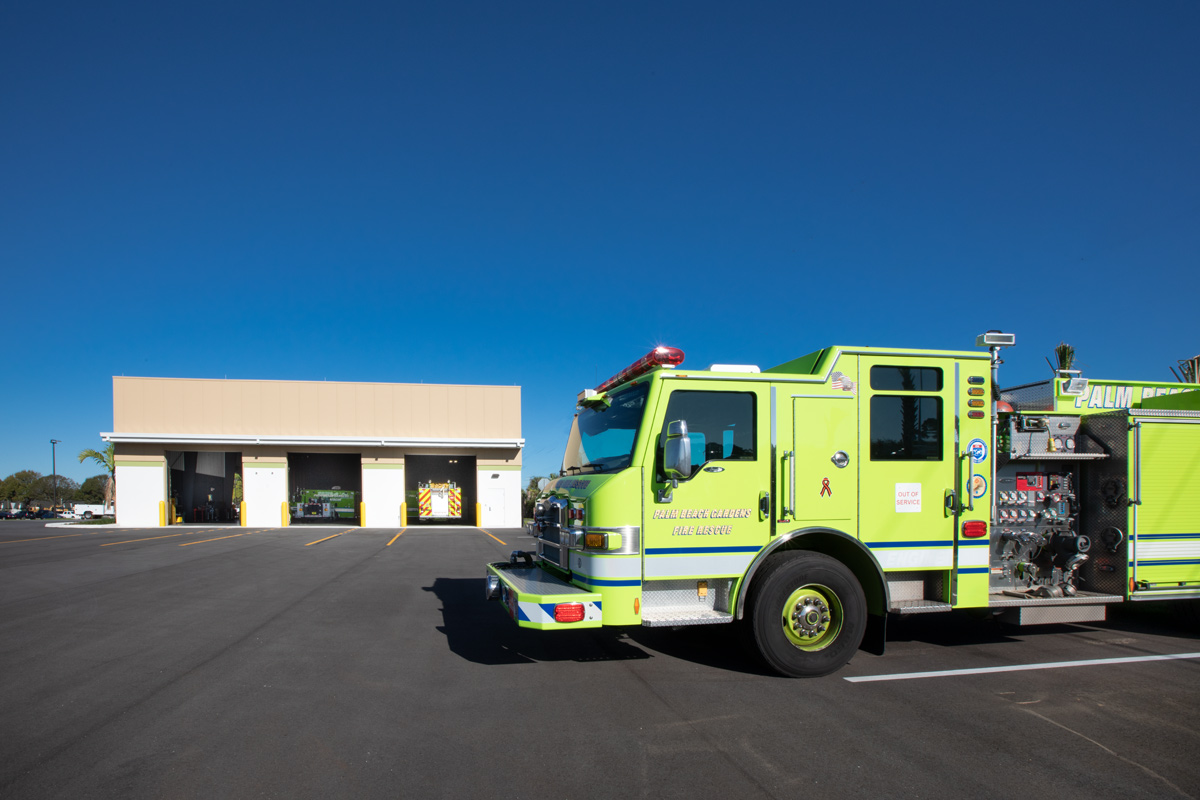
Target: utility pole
x=54 y=471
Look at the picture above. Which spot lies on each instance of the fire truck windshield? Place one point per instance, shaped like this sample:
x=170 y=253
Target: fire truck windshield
x=602 y=438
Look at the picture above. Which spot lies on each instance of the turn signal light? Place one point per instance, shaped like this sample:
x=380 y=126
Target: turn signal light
x=568 y=612
x=594 y=541
x=974 y=529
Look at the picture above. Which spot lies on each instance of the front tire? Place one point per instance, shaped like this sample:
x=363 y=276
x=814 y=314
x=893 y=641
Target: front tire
x=808 y=614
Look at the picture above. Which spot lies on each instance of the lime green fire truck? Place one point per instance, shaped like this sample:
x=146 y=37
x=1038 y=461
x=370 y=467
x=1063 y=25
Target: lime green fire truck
x=814 y=499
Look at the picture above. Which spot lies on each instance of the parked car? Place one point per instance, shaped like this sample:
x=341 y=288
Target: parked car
x=7 y=515
x=45 y=513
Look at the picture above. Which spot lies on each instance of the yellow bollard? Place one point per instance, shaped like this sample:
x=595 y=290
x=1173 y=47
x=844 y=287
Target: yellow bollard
x=242 y=514
x=162 y=513
x=478 y=515
x=403 y=514
x=285 y=517
x=362 y=515
x=171 y=517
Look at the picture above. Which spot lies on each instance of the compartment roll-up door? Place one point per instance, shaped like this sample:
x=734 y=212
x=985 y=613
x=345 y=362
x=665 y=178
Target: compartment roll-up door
x=1167 y=534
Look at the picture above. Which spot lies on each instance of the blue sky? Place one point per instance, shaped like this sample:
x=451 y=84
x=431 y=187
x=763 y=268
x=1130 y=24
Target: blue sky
x=537 y=193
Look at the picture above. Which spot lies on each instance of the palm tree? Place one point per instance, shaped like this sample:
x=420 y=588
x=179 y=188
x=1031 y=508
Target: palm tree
x=1065 y=355
x=106 y=458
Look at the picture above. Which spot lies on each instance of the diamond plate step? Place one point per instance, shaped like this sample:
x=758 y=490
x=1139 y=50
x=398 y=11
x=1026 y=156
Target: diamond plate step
x=1014 y=600
x=669 y=617
x=919 y=606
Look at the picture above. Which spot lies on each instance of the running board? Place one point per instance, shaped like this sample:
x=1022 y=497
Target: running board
x=1084 y=607
x=905 y=607
x=674 y=617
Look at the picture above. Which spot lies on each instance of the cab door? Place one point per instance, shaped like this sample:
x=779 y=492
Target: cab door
x=822 y=467
x=907 y=461
x=717 y=518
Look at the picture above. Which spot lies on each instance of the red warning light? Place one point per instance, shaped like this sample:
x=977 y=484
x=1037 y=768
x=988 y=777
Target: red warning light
x=658 y=357
x=974 y=529
x=568 y=612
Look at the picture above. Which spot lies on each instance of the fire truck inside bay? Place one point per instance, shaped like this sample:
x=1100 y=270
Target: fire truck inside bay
x=812 y=500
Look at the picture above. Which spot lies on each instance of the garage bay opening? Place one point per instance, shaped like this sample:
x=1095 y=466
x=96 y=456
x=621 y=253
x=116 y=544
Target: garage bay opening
x=440 y=490
x=325 y=487
x=204 y=486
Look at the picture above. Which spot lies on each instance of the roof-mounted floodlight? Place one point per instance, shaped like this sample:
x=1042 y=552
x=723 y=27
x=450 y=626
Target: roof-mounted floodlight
x=1075 y=385
x=996 y=339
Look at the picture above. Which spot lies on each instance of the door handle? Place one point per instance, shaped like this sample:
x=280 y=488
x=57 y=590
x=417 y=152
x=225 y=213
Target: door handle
x=787 y=509
x=970 y=493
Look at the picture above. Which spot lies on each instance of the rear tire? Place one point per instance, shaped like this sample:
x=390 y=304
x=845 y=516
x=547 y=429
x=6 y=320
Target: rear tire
x=87 y=515
x=808 y=614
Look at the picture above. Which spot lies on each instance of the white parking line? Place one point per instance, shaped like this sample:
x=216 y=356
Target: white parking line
x=1092 y=662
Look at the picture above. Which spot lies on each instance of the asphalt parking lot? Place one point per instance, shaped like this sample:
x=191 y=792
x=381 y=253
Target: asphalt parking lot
x=248 y=662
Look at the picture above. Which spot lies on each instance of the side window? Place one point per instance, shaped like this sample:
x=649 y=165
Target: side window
x=906 y=427
x=906 y=379
x=721 y=426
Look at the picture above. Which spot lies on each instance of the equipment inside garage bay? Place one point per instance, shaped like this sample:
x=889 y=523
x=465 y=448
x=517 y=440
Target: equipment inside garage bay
x=324 y=487
x=439 y=501
x=441 y=490
x=201 y=485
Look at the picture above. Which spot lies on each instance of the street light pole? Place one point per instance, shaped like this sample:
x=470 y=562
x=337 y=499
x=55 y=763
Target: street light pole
x=54 y=470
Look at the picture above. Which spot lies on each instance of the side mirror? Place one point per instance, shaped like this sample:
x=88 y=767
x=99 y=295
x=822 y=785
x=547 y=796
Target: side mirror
x=677 y=456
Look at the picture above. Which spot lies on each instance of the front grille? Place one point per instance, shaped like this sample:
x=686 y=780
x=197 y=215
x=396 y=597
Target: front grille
x=550 y=533
x=558 y=556
x=550 y=517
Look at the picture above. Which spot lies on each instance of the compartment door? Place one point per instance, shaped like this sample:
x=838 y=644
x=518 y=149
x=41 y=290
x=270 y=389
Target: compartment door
x=1166 y=530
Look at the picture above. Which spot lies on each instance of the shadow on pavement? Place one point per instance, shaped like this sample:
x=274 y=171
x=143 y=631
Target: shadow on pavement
x=724 y=647
x=481 y=632
x=974 y=627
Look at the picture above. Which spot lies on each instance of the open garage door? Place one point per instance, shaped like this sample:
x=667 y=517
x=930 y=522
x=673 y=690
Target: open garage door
x=440 y=490
x=325 y=487
x=202 y=485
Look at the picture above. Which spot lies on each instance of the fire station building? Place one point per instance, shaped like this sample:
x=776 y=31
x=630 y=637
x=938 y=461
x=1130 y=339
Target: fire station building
x=381 y=455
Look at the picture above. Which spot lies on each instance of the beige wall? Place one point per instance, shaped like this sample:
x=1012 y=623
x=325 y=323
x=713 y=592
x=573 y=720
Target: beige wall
x=485 y=456
x=307 y=408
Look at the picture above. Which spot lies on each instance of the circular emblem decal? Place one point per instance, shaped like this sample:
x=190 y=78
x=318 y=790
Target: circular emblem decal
x=978 y=486
x=979 y=450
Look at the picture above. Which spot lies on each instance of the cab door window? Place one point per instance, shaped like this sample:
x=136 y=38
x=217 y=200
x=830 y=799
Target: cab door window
x=906 y=427
x=721 y=426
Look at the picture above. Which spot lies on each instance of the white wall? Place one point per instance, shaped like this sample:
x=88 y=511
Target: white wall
x=265 y=491
x=383 y=492
x=139 y=491
x=500 y=497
